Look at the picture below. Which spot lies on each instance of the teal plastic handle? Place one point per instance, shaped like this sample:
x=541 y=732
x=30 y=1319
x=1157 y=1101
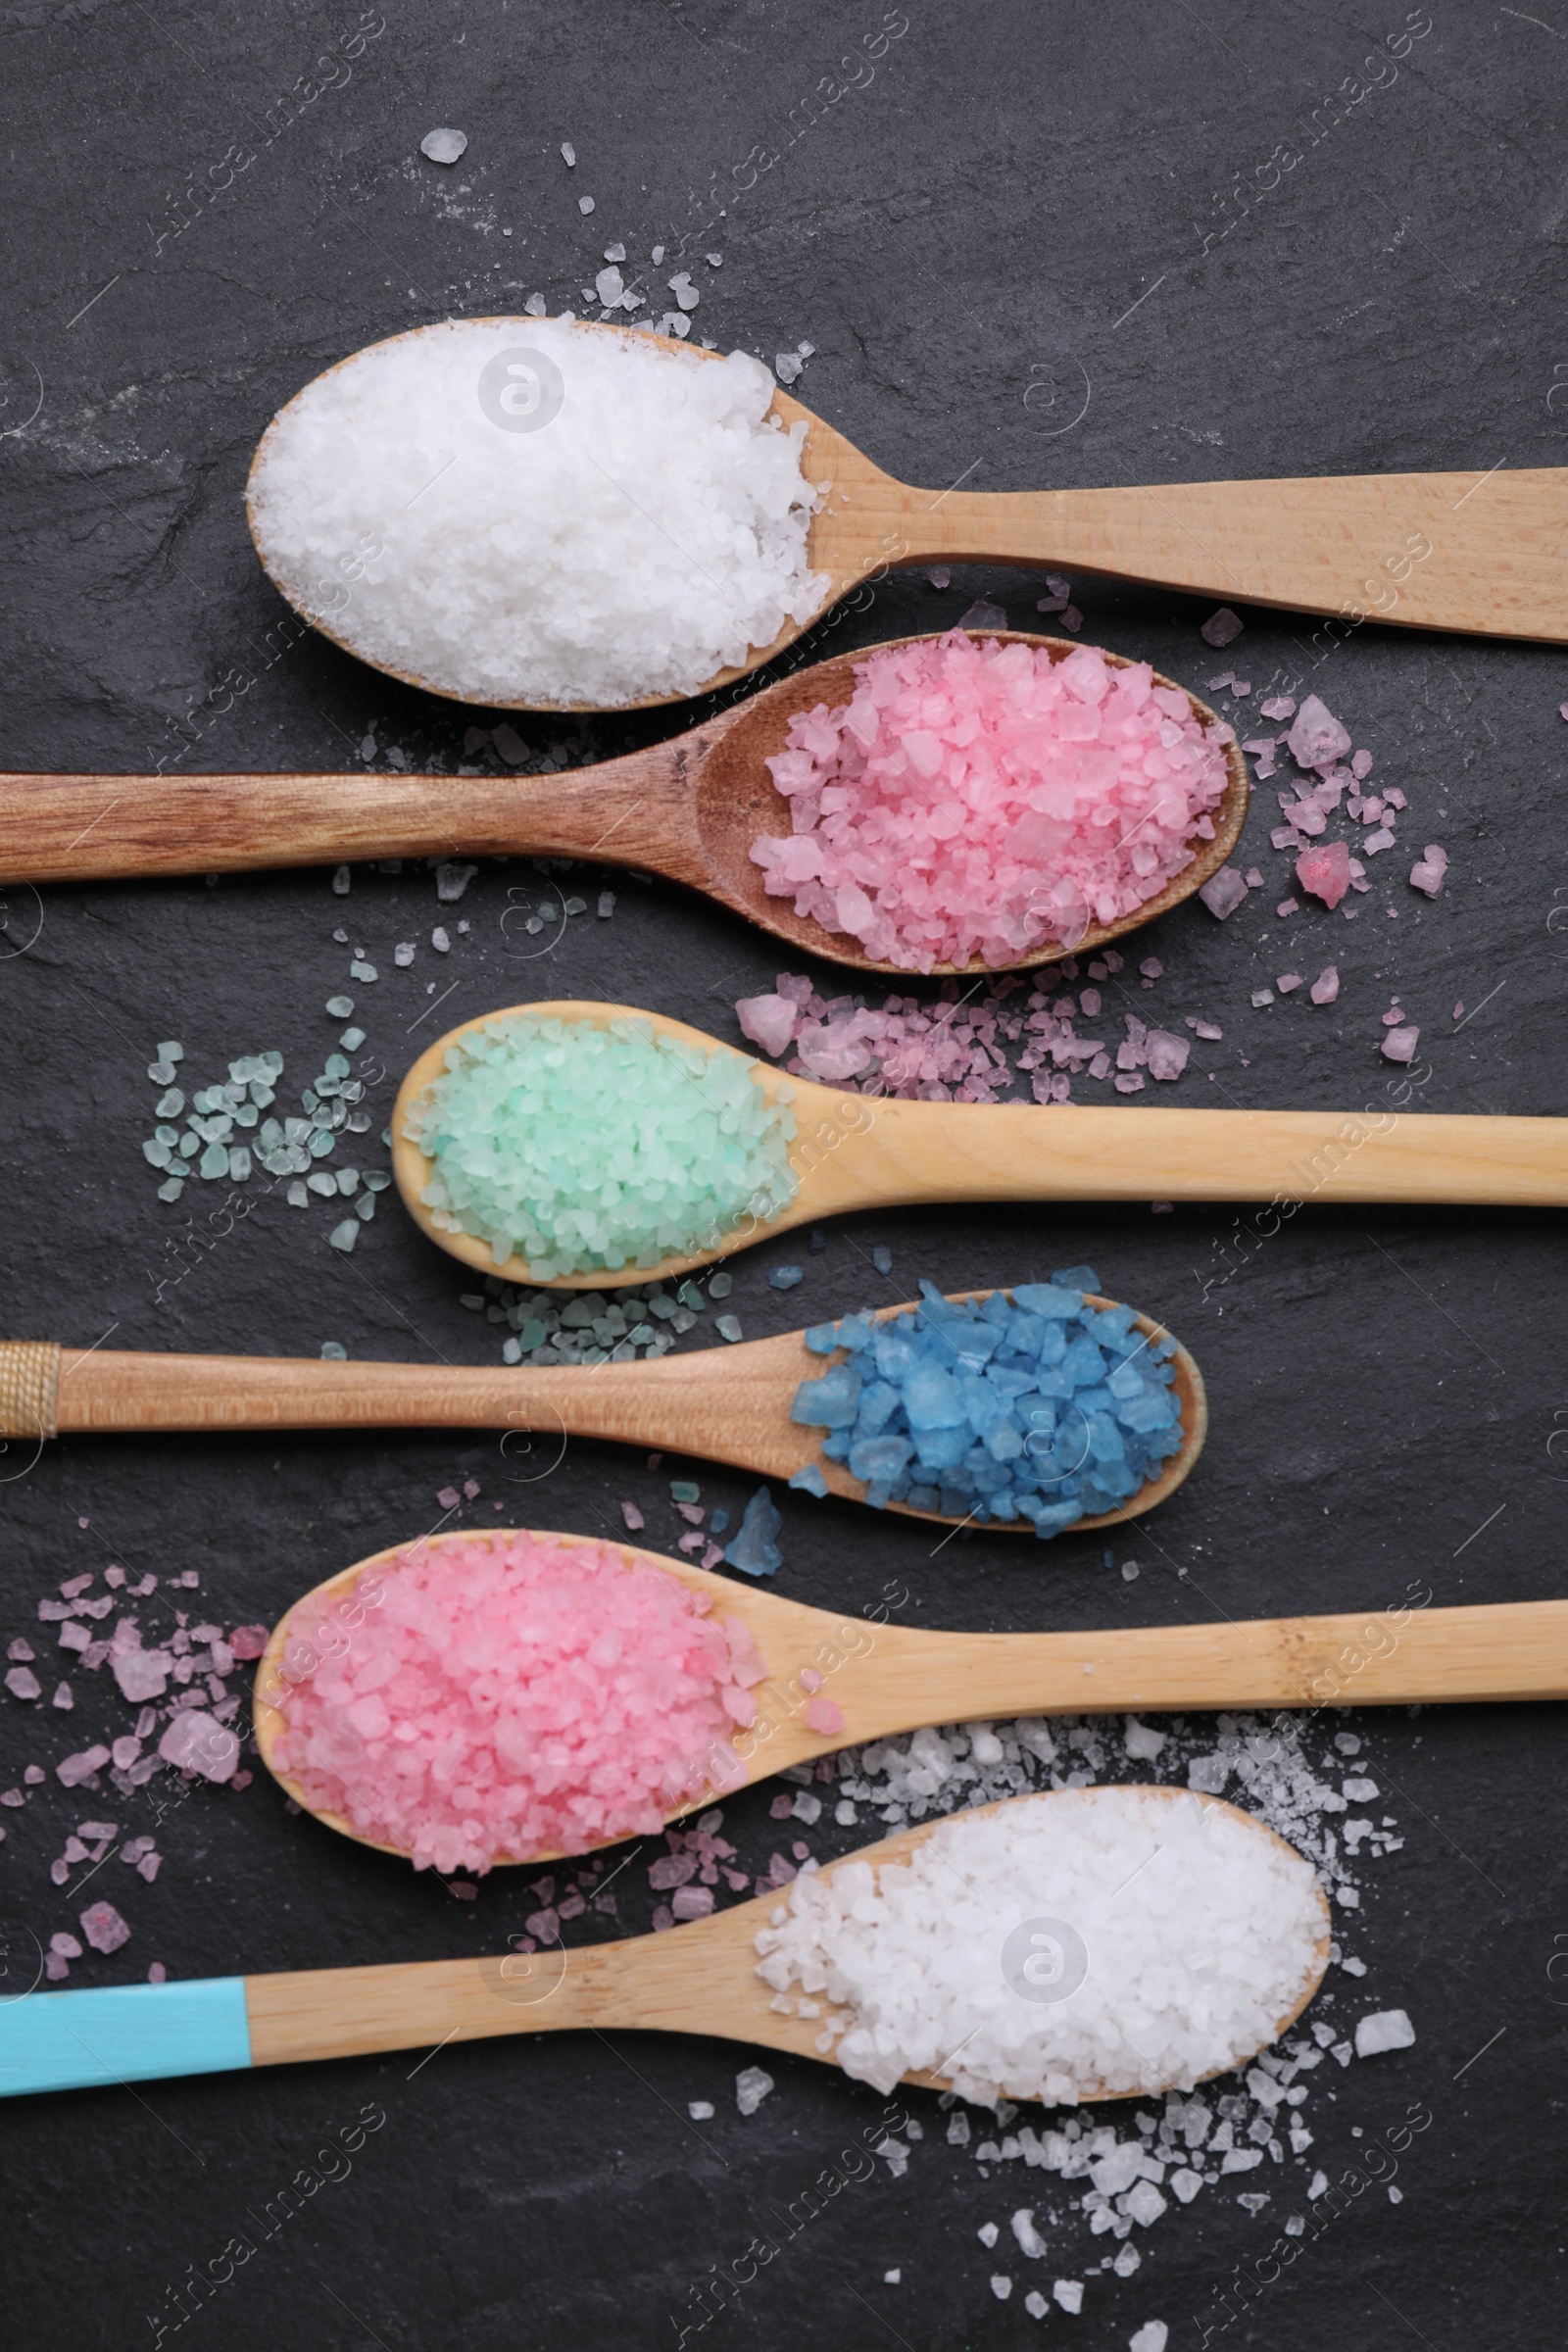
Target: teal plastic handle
x=122 y=2033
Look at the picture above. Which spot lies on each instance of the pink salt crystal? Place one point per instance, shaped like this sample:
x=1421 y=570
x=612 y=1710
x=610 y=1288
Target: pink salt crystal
x=1278 y=706
x=1221 y=628
x=196 y=1741
x=514 y=1697
x=1129 y=1084
x=1242 y=688
x=72 y=1771
x=711 y=1556
x=1168 y=1053
x=104 y=1928
x=1289 y=907
x=449 y=1499
x=470 y=1487
x=149 y=1866
x=1223 y=892
x=1207 y=1029
x=1285 y=836
x=55 y=1968
x=1045 y=796
x=1217 y=684
x=141 y=1674
x=66 y=1946
x=22 y=1682
x=124 y=1752
x=781 y=1807
x=22 y=1650
x=1288 y=981
x=1428 y=873
x=72 y=1586
x=1254 y=880
x=824 y=1716
x=1325 y=870
x=65 y=1699
x=1089 y=1003
x=248 y=1641
x=1393 y=1016
x=692 y=1512
x=115 y=1577
x=1400 y=1045
x=1326 y=987
x=692 y=1903
x=33 y=1775
x=11 y=1796
x=691 y=1540
x=158 y=1974
x=1361 y=763
x=633 y=1517
x=1151 y=968
x=1459 y=1011
x=1317 y=739
x=1072 y=620
x=60 y=1870
x=769 y=1021
x=1392 y=798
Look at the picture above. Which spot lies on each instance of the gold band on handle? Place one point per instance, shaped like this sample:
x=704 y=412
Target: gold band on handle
x=29 y=1388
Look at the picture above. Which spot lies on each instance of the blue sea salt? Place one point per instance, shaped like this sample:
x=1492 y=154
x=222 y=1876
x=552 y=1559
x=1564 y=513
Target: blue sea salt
x=785 y=1278
x=1032 y=1404
x=754 y=1550
x=809 y=1481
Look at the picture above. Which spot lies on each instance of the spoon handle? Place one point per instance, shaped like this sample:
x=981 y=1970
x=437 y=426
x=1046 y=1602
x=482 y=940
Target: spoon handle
x=635 y=810
x=1400 y=1655
x=1476 y=551
x=928 y=1152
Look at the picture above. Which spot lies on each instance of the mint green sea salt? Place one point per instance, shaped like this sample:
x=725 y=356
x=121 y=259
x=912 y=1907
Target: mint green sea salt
x=583 y=1149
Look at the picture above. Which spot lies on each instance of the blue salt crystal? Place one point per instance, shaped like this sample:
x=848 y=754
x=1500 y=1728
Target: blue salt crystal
x=1048 y=1299
x=882 y=1259
x=755 y=1550
x=717 y=1521
x=809 y=1481
x=857 y=1332
x=831 y=1403
x=932 y=1400
x=822 y=1338
x=879 y=1460
x=1077 y=1278
x=785 y=1278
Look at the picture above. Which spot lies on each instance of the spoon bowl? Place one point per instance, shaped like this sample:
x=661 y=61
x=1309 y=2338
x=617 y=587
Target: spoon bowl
x=859 y=1152
x=1387 y=544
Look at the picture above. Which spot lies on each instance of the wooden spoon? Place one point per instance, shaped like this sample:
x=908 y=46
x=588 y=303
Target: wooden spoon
x=1431 y=551
x=886 y=1679
x=688 y=809
x=730 y=1404
x=697 y=1978
x=856 y=1151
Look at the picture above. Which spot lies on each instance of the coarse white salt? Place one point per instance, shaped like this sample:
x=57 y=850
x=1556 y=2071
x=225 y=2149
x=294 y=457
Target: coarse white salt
x=1384 y=2030
x=751 y=2086
x=1086 y=1920
x=539 y=512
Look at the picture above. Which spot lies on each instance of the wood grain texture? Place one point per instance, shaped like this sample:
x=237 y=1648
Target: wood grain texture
x=697 y=1979
x=688 y=809
x=887 y=1679
x=730 y=1405
x=855 y=1151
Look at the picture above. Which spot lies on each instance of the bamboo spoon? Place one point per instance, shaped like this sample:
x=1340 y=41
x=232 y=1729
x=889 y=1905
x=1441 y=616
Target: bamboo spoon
x=688 y=809
x=885 y=1679
x=697 y=1979
x=1430 y=551
x=728 y=1404
x=853 y=1151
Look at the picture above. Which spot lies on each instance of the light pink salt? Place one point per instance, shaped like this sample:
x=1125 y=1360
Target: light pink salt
x=1326 y=987
x=509 y=1697
x=104 y=1928
x=1400 y=1045
x=973 y=800
x=824 y=1716
x=1427 y=872
x=1223 y=892
x=1325 y=871
x=198 y=1742
x=769 y=1021
x=1317 y=739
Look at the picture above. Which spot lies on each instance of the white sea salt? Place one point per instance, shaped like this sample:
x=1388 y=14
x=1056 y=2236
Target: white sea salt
x=1384 y=2030
x=559 y=513
x=1076 y=1911
x=751 y=2086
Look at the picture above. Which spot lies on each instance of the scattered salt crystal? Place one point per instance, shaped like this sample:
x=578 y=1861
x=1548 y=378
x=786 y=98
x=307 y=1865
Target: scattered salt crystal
x=1289 y=907
x=1399 y=1044
x=1427 y=872
x=1317 y=739
x=1326 y=987
x=1384 y=2030
x=569 y=155
x=633 y=1517
x=1263 y=995
x=751 y=2086
x=1223 y=892
x=21 y=1683
x=1001 y=2285
x=72 y=1771
x=104 y=1928
x=1325 y=871
x=443 y=146
x=1287 y=981
x=1278 y=706
x=1221 y=628
x=1069 y=2293
x=585 y=205
x=1030 y=2242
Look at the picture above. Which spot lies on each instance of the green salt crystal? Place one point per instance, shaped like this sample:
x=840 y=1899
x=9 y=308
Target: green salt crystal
x=297 y=1197
x=239 y=1164
x=378 y=1179
x=167 y=1135
x=320 y=1142
x=189 y=1146
x=322 y=1185
x=351 y=1040
x=172 y=1051
x=343 y=1237
x=171 y=1188
x=685 y=1490
x=213 y=1162
x=340 y=1007
x=337 y=1066
x=171 y=1104
x=348 y=1180
x=720 y=1286
x=155 y=1153
x=262 y=1093
x=365 y=1208
x=359 y=970
x=333 y=1352
x=729 y=1327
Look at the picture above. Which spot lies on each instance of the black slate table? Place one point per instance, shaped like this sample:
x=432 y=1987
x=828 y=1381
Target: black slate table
x=1036 y=247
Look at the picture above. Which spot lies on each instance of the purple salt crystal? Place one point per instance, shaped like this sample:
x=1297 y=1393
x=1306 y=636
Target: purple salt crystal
x=148 y=1866
x=22 y=1650
x=11 y=1796
x=1254 y=880
x=1221 y=628
x=1278 y=706
x=104 y=1928
x=1223 y=892
x=1317 y=739
x=66 y=1946
x=60 y=1870
x=195 y=1741
x=126 y=1751
x=22 y=1682
x=1400 y=1045
x=692 y=1903
x=72 y=1771
x=1168 y=1053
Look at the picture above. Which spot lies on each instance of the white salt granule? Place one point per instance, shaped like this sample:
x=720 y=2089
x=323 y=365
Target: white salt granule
x=1385 y=2030
x=751 y=2086
x=530 y=510
x=1089 y=1943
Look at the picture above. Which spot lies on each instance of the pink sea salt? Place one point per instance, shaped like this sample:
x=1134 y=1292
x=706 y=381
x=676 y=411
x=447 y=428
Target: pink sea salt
x=973 y=799
x=1325 y=871
x=104 y=1928
x=509 y=1697
x=1326 y=987
x=824 y=1716
x=1223 y=892
x=1316 y=738
x=1400 y=1045
x=1427 y=872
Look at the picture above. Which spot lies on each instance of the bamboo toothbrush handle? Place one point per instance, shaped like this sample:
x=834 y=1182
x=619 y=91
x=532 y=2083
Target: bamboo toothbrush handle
x=919 y=1152
x=1402 y=1654
x=1476 y=551
x=634 y=811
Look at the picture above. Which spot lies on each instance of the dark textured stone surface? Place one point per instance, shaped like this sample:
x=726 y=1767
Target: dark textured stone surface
x=973 y=223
